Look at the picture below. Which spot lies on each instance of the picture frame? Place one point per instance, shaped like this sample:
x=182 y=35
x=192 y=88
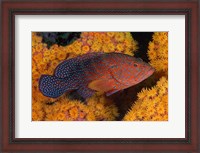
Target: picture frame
x=133 y=7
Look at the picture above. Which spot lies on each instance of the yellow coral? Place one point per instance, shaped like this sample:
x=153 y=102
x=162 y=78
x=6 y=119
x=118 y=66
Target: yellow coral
x=120 y=47
x=37 y=111
x=102 y=107
x=152 y=104
x=106 y=42
x=85 y=48
x=98 y=108
x=158 y=51
x=111 y=47
x=119 y=36
x=45 y=60
x=63 y=110
x=61 y=55
x=111 y=34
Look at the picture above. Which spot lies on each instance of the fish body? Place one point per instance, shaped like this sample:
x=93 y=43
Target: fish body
x=104 y=72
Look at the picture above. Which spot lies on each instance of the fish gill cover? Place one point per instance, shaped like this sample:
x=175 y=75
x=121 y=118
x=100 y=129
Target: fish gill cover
x=99 y=107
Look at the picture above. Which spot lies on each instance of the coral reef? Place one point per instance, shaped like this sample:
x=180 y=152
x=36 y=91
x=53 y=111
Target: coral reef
x=38 y=113
x=45 y=60
x=98 y=108
x=66 y=110
x=158 y=52
x=102 y=108
x=108 y=42
x=152 y=104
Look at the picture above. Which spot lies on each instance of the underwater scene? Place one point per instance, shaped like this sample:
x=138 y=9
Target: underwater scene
x=99 y=76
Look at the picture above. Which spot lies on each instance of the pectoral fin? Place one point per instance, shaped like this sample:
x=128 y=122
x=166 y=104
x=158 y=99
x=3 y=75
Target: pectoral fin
x=102 y=85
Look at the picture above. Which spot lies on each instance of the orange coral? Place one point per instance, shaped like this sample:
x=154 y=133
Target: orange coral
x=158 y=51
x=152 y=104
x=66 y=110
x=37 y=110
x=101 y=108
x=106 y=42
x=98 y=108
x=44 y=60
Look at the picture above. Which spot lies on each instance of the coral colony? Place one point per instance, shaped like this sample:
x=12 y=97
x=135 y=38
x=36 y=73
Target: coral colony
x=121 y=96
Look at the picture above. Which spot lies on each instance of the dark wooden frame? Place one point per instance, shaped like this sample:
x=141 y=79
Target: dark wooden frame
x=11 y=8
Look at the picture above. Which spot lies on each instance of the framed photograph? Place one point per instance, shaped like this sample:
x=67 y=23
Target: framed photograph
x=99 y=76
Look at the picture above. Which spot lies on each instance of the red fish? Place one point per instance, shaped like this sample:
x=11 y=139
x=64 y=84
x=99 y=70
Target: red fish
x=104 y=72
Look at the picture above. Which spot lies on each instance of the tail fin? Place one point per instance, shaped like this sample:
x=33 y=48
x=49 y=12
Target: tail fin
x=54 y=87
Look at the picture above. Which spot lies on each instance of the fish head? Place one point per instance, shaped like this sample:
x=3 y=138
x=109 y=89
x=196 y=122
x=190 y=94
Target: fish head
x=140 y=70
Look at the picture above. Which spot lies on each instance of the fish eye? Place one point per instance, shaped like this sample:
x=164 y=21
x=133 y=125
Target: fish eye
x=135 y=65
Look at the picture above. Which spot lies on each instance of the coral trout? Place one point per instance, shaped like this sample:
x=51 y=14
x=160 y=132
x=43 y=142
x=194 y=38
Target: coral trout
x=104 y=72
